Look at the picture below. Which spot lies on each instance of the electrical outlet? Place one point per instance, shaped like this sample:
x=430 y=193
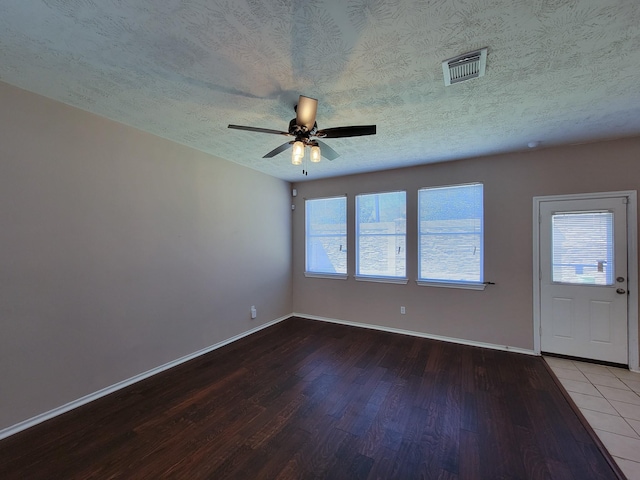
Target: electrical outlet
x=254 y=312
x=402 y=310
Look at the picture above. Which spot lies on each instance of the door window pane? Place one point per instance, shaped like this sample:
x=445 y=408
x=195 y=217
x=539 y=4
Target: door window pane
x=582 y=248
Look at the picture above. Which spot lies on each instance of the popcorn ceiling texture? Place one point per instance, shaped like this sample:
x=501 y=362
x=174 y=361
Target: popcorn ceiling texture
x=557 y=71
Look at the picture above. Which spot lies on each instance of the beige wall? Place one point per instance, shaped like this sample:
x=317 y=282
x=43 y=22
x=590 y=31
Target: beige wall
x=121 y=251
x=502 y=314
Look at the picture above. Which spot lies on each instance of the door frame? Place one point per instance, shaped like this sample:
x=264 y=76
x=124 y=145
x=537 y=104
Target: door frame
x=632 y=267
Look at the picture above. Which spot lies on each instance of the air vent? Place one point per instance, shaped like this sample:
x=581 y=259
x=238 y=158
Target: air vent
x=464 y=67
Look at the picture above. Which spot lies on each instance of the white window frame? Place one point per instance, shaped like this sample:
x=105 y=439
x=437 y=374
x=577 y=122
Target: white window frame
x=378 y=278
x=468 y=285
x=312 y=274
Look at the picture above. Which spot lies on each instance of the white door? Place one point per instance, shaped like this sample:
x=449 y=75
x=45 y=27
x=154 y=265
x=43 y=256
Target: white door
x=583 y=278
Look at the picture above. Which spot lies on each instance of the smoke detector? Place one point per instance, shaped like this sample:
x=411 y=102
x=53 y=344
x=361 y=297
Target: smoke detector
x=464 y=67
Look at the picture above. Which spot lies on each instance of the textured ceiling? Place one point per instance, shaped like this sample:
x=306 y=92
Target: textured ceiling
x=558 y=71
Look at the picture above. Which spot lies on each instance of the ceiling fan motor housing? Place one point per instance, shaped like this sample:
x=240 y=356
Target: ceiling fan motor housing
x=301 y=130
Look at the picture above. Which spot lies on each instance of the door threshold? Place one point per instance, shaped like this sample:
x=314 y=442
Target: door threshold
x=586 y=360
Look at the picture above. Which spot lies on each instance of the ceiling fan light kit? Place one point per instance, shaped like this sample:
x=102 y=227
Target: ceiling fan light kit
x=303 y=128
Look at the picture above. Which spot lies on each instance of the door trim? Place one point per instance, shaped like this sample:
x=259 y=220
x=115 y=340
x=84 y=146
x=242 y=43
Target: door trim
x=632 y=261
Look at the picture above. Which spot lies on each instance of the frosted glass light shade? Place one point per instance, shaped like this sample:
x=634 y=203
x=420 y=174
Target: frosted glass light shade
x=298 y=149
x=315 y=154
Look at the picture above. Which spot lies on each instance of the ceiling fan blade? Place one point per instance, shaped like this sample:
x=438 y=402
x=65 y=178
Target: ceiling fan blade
x=306 y=112
x=278 y=150
x=340 y=132
x=326 y=151
x=259 y=130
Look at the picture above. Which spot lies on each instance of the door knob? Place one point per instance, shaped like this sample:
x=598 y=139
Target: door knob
x=621 y=291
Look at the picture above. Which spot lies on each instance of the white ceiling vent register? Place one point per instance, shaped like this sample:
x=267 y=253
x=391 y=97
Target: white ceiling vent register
x=464 y=67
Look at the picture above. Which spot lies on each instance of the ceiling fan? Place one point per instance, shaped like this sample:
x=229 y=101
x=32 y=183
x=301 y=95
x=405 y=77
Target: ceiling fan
x=305 y=131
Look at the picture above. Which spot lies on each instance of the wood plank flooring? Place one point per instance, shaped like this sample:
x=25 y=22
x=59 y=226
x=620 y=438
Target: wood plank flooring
x=312 y=400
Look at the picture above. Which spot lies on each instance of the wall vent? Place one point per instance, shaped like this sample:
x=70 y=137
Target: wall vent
x=464 y=67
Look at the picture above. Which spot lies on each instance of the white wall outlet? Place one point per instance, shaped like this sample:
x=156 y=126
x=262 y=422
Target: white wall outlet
x=402 y=310
x=254 y=312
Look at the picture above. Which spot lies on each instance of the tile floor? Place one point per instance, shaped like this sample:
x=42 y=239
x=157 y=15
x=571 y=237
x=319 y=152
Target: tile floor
x=609 y=398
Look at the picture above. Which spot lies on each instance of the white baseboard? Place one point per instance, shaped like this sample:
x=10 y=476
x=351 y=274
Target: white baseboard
x=460 y=341
x=6 y=432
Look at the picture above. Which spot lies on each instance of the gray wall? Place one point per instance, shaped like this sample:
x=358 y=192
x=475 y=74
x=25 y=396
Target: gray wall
x=502 y=314
x=121 y=251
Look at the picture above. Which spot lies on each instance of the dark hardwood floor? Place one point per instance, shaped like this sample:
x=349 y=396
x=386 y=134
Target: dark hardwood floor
x=311 y=400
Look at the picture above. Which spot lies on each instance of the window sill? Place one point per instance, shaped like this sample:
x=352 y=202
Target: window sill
x=335 y=276
x=461 y=285
x=365 y=278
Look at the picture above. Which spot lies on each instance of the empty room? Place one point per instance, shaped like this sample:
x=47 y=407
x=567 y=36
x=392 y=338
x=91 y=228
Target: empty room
x=286 y=240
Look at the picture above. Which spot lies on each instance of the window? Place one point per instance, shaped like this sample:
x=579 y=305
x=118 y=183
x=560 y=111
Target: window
x=583 y=247
x=326 y=236
x=450 y=234
x=381 y=228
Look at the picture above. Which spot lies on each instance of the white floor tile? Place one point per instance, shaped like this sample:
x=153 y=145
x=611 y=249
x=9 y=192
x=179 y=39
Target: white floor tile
x=592 y=368
x=569 y=374
x=635 y=424
x=606 y=380
x=560 y=362
x=590 y=402
x=633 y=385
x=581 y=387
x=614 y=416
x=626 y=396
x=609 y=423
x=627 y=410
x=623 y=374
x=629 y=468
x=620 y=446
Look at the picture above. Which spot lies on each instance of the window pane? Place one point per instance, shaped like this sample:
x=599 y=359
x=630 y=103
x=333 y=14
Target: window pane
x=326 y=235
x=451 y=233
x=583 y=248
x=381 y=226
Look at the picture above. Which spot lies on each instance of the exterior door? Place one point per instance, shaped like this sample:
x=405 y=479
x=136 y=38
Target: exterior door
x=583 y=278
